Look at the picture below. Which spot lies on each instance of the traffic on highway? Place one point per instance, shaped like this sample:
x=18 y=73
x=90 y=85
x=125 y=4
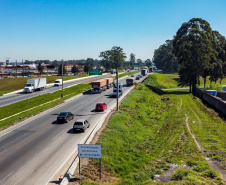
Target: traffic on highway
x=33 y=151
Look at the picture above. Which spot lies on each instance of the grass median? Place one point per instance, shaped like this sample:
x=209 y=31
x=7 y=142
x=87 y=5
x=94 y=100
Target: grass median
x=12 y=84
x=147 y=141
x=37 y=105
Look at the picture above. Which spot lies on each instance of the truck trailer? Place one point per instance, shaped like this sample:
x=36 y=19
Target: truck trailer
x=110 y=82
x=144 y=72
x=129 y=81
x=99 y=85
x=35 y=84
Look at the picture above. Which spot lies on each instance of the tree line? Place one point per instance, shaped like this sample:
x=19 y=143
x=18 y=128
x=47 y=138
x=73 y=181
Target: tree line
x=195 y=51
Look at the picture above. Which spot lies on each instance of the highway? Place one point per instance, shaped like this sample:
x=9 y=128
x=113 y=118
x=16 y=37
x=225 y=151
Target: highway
x=33 y=151
x=19 y=96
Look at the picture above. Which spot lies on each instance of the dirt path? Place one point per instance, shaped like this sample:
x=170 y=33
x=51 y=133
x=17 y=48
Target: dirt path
x=214 y=164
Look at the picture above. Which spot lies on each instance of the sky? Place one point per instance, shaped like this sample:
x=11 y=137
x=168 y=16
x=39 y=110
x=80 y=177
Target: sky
x=81 y=29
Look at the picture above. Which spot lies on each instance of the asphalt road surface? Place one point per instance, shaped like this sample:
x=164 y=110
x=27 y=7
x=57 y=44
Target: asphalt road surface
x=16 y=97
x=33 y=151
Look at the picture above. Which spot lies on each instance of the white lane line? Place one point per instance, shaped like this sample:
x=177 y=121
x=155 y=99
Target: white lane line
x=58 y=134
x=5 y=177
x=3 y=151
x=83 y=103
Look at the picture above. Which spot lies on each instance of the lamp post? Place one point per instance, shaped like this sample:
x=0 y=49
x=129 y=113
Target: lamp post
x=117 y=87
x=16 y=68
x=23 y=67
x=62 y=79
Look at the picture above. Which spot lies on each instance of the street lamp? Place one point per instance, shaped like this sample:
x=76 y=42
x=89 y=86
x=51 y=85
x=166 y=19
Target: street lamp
x=117 y=86
x=62 y=79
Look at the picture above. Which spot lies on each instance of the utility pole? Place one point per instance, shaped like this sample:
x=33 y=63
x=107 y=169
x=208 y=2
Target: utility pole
x=62 y=79
x=16 y=68
x=117 y=86
x=23 y=67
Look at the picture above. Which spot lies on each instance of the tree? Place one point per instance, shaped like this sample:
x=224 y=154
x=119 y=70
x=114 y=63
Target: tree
x=40 y=68
x=148 y=63
x=113 y=58
x=193 y=48
x=60 y=70
x=74 y=69
x=164 y=58
x=89 y=65
x=132 y=59
x=139 y=61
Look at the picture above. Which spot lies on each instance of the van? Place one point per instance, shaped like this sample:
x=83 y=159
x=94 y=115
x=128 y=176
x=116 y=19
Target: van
x=58 y=82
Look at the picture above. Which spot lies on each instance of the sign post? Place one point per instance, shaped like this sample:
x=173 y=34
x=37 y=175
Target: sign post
x=89 y=151
x=95 y=71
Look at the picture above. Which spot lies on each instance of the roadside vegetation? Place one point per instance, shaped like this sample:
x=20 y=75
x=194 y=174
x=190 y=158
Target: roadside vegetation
x=33 y=106
x=12 y=84
x=171 y=81
x=147 y=141
x=125 y=74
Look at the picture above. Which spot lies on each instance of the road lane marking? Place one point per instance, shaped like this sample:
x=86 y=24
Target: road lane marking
x=3 y=151
x=5 y=177
x=58 y=134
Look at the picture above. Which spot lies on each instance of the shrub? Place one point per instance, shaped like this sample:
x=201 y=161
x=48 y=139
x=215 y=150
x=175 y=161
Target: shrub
x=180 y=173
x=211 y=174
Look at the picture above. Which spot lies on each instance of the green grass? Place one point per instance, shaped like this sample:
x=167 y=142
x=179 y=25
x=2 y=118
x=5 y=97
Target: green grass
x=130 y=73
x=13 y=84
x=12 y=109
x=149 y=134
x=171 y=81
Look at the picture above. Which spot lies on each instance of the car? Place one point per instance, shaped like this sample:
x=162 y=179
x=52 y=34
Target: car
x=64 y=117
x=137 y=78
x=114 y=94
x=132 y=75
x=100 y=106
x=80 y=125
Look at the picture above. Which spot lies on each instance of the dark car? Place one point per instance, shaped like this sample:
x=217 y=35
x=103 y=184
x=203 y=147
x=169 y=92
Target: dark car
x=81 y=125
x=64 y=117
x=114 y=94
x=132 y=75
x=137 y=78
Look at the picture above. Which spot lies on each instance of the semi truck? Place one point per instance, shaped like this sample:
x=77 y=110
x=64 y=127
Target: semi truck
x=35 y=84
x=144 y=72
x=110 y=82
x=99 y=85
x=129 y=81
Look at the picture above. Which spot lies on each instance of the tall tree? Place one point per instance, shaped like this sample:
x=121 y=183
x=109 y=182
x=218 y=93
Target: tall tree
x=60 y=70
x=193 y=48
x=113 y=58
x=139 y=61
x=74 y=69
x=148 y=63
x=132 y=59
x=40 y=68
x=164 y=58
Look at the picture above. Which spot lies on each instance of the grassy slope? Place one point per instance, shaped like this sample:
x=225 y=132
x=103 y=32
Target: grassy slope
x=149 y=134
x=13 y=84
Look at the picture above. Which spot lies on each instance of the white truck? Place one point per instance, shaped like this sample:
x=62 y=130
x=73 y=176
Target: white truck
x=58 y=82
x=35 y=84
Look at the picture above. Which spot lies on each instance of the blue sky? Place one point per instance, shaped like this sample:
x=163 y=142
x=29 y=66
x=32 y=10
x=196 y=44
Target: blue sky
x=80 y=29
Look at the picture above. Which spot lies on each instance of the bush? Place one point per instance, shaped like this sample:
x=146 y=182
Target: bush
x=180 y=173
x=211 y=174
x=192 y=163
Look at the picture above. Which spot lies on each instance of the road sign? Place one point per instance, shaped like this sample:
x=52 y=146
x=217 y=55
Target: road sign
x=95 y=71
x=89 y=151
